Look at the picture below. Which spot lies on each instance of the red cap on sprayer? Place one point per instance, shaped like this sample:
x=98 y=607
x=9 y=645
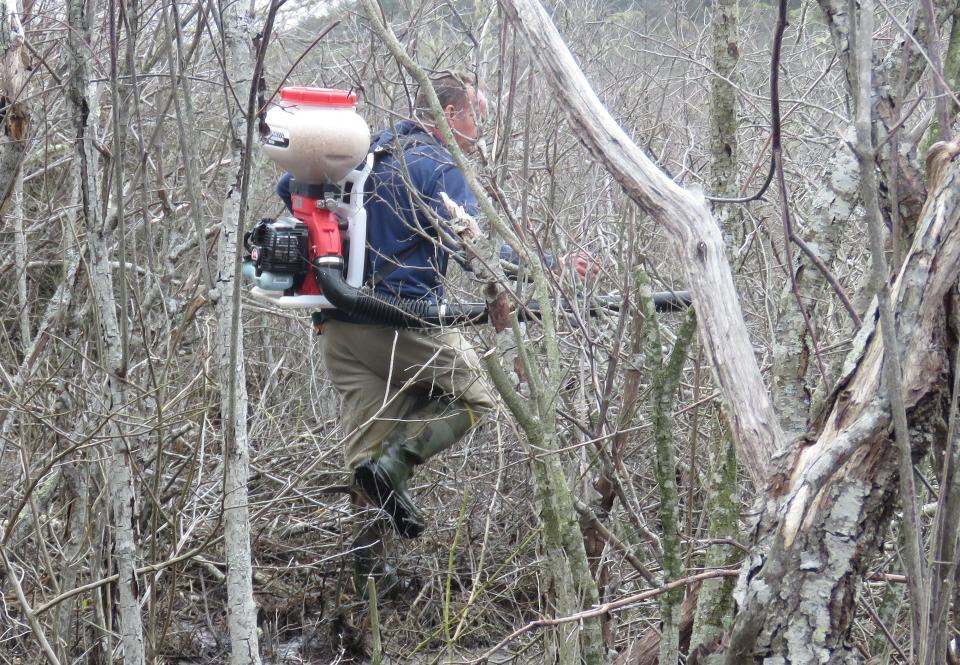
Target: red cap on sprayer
x=319 y=96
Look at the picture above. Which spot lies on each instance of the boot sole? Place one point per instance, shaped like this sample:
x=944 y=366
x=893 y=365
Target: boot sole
x=378 y=489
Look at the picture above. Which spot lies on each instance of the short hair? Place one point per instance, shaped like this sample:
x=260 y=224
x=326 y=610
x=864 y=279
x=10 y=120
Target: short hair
x=451 y=87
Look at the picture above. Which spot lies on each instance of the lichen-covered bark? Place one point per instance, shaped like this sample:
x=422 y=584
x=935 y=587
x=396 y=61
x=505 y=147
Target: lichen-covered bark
x=724 y=146
x=795 y=377
x=689 y=226
x=235 y=24
x=951 y=62
x=714 y=606
x=567 y=565
x=826 y=509
x=663 y=388
x=75 y=485
x=894 y=73
x=715 y=603
x=122 y=496
x=794 y=373
x=811 y=623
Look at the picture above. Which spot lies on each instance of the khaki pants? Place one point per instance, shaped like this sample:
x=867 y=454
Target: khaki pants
x=384 y=374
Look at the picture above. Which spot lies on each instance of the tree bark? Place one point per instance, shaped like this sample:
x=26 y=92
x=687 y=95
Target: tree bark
x=568 y=568
x=664 y=381
x=714 y=609
x=795 y=380
x=828 y=504
x=20 y=261
x=15 y=109
x=714 y=602
x=724 y=146
x=826 y=511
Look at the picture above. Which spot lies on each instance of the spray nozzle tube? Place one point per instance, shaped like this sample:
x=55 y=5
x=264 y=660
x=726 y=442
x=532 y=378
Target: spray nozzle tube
x=405 y=313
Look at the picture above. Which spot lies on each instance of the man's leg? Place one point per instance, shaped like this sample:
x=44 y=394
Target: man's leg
x=426 y=432
x=372 y=409
x=449 y=367
x=357 y=359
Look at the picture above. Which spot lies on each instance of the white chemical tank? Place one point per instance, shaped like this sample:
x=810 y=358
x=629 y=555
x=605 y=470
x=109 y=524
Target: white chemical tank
x=316 y=134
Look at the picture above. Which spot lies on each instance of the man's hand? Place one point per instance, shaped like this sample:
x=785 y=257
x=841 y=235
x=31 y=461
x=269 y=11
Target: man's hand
x=586 y=266
x=462 y=223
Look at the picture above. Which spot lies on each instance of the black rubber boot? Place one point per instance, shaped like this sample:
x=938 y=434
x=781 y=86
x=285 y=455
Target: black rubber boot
x=371 y=558
x=383 y=480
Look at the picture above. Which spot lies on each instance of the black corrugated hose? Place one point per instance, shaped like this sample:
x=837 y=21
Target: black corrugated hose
x=404 y=313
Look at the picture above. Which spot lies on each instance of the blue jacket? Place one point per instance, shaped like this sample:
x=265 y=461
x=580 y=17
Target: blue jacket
x=398 y=197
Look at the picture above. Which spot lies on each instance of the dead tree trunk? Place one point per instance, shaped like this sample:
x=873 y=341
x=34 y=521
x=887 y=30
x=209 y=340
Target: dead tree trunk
x=691 y=228
x=826 y=510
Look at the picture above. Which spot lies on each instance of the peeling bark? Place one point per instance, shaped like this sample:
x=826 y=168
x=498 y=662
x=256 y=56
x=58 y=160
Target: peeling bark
x=794 y=379
x=828 y=503
x=827 y=508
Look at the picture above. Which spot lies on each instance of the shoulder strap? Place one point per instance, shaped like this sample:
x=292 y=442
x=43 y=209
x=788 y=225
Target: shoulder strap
x=390 y=264
x=403 y=142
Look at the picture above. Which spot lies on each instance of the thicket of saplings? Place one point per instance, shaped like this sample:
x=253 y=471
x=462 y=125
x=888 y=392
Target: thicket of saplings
x=478 y=566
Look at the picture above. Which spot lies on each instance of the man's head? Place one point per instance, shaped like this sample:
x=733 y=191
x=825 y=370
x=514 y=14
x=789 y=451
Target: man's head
x=464 y=107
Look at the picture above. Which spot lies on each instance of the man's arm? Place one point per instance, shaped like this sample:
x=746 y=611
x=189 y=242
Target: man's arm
x=459 y=207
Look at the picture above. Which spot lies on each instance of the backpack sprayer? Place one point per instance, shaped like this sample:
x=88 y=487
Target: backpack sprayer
x=316 y=258
x=317 y=136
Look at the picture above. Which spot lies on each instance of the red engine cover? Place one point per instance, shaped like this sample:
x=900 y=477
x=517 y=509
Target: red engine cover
x=324 y=229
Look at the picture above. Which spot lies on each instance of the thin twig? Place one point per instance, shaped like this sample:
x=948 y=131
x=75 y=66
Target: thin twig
x=31 y=615
x=862 y=35
x=283 y=79
x=626 y=601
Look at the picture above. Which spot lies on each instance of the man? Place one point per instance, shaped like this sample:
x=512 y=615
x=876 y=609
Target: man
x=407 y=394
